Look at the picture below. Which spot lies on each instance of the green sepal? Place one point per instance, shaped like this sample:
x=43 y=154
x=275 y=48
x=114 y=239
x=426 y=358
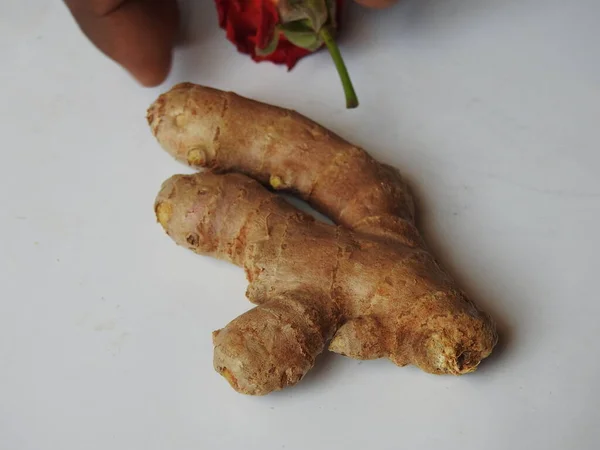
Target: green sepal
x=316 y=12
x=302 y=35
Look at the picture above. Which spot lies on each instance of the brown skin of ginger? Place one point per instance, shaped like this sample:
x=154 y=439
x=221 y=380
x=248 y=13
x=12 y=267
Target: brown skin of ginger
x=368 y=285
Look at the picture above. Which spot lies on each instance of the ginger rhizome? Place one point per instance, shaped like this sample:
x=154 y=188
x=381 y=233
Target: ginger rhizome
x=368 y=287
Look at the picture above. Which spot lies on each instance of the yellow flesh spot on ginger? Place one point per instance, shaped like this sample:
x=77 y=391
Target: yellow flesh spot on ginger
x=275 y=182
x=226 y=373
x=164 y=211
x=195 y=157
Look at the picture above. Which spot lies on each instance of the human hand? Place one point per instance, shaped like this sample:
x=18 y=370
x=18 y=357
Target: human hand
x=137 y=34
x=140 y=34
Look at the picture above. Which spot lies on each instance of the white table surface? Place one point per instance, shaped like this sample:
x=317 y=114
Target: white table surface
x=490 y=108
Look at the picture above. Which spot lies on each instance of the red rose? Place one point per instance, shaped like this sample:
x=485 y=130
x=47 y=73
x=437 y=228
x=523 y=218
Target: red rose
x=252 y=25
x=283 y=31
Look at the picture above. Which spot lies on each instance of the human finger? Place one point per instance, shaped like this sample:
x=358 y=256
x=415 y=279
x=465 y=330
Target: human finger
x=137 y=34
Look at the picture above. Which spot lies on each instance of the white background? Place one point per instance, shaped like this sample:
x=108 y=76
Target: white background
x=490 y=108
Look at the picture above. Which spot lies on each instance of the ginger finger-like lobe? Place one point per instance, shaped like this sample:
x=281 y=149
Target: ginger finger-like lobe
x=217 y=215
x=275 y=344
x=205 y=127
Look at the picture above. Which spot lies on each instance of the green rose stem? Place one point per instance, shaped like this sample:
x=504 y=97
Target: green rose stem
x=334 y=51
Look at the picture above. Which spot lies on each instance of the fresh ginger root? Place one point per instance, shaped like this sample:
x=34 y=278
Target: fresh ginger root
x=368 y=285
